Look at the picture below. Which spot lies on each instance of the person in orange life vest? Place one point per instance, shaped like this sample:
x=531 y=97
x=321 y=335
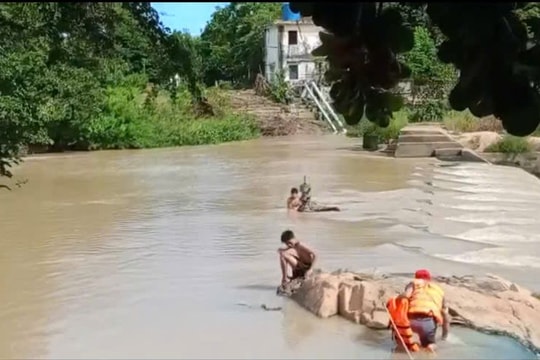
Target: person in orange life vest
x=427 y=309
x=400 y=325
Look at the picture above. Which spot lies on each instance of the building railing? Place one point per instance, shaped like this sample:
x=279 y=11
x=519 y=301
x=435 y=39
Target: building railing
x=299 y=50
x=314 y=94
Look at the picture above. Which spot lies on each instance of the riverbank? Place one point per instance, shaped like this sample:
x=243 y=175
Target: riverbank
x=523 y=153
x=484 y=136
x=135 y=123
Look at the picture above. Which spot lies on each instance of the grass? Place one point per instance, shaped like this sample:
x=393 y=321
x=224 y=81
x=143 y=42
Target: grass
x=454 y=121
x=212 y=131
x=464 y=121
x=510 y=145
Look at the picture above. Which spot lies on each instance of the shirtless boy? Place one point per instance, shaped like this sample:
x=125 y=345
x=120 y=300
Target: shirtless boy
x=296 y=255
x=293 y=202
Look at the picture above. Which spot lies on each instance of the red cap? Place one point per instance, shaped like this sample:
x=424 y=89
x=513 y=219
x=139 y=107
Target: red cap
x=422 y=274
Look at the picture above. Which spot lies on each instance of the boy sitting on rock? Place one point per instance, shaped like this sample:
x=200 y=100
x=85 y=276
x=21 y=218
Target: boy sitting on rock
x=296 y=255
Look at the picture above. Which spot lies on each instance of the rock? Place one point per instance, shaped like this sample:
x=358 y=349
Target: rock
x=478 y=141
x=514 y=287
x=365 y=318
x=348 y=302
x=289 y=288
x=488 y=304
x=319 y=294
x=379 y=320
x=534 y=142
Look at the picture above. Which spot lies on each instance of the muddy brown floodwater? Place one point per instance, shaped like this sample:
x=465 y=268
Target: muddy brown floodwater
x=169 y=253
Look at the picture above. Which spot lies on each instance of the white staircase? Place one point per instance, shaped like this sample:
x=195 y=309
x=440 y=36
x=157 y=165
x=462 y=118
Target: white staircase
x=312 y=93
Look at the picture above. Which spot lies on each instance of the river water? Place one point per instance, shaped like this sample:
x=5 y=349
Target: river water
x=169 y=253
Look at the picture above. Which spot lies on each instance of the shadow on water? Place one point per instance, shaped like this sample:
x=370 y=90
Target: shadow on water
x=147 y=254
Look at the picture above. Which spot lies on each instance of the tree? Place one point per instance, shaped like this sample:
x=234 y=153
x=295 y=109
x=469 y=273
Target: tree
x=233 y=41
x=431 y=79
x=495 y=47
x=56 y=61
x=185 y=59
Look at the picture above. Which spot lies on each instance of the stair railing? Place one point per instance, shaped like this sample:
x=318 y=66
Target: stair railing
x=312 y=92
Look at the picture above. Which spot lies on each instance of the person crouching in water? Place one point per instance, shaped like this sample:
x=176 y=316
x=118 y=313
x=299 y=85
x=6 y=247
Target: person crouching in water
x=402 y=334
x=296 y=255
x=293 y=202
x=427 y=309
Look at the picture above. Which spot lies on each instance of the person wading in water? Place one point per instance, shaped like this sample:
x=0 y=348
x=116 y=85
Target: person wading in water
x=427 y=309
x=293 y=202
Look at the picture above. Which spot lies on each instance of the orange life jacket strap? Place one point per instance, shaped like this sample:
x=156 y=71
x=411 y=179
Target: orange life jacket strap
x=403 y=327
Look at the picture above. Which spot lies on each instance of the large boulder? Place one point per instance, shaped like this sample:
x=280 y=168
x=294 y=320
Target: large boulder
x=489 y=304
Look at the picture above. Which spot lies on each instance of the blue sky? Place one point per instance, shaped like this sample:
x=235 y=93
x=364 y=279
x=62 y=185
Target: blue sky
x=186 y=16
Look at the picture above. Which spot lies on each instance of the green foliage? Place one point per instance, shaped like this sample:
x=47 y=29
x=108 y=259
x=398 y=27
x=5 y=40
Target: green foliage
x=391 y=132
x=431 y=80
x=510 y=145
x=363 y=73
x=233 y=41
x=128 y=121
x=94 y=75
x=186 y=59
x=464 y=121
x=495 y=47
x=214 y=131
x=371 y=129
x=428 y=110
x=57 y=59
x=279 y=90
x=530 y=13
x=110 y=75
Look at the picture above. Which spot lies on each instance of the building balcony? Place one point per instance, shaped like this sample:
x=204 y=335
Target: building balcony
x=299 y=51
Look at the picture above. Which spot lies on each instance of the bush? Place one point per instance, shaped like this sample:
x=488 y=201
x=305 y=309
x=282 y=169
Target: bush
x=464 y=121
x=391 y=132
x=431 y=79
x=219 y=100
x=510 y=145
x=134 y=119
x=212 y=131
x=399 y=121
x=280 y=90
x=427 y=110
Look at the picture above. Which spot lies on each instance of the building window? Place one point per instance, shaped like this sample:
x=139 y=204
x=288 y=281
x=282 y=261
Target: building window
x=293 y=72
x=293 y=37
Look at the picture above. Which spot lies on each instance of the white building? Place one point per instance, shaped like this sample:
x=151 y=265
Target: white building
x=288 y=46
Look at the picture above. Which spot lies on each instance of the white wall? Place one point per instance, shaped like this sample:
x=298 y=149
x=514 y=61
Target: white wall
x=291 y=54
x=308 y=39
x=271 y=59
